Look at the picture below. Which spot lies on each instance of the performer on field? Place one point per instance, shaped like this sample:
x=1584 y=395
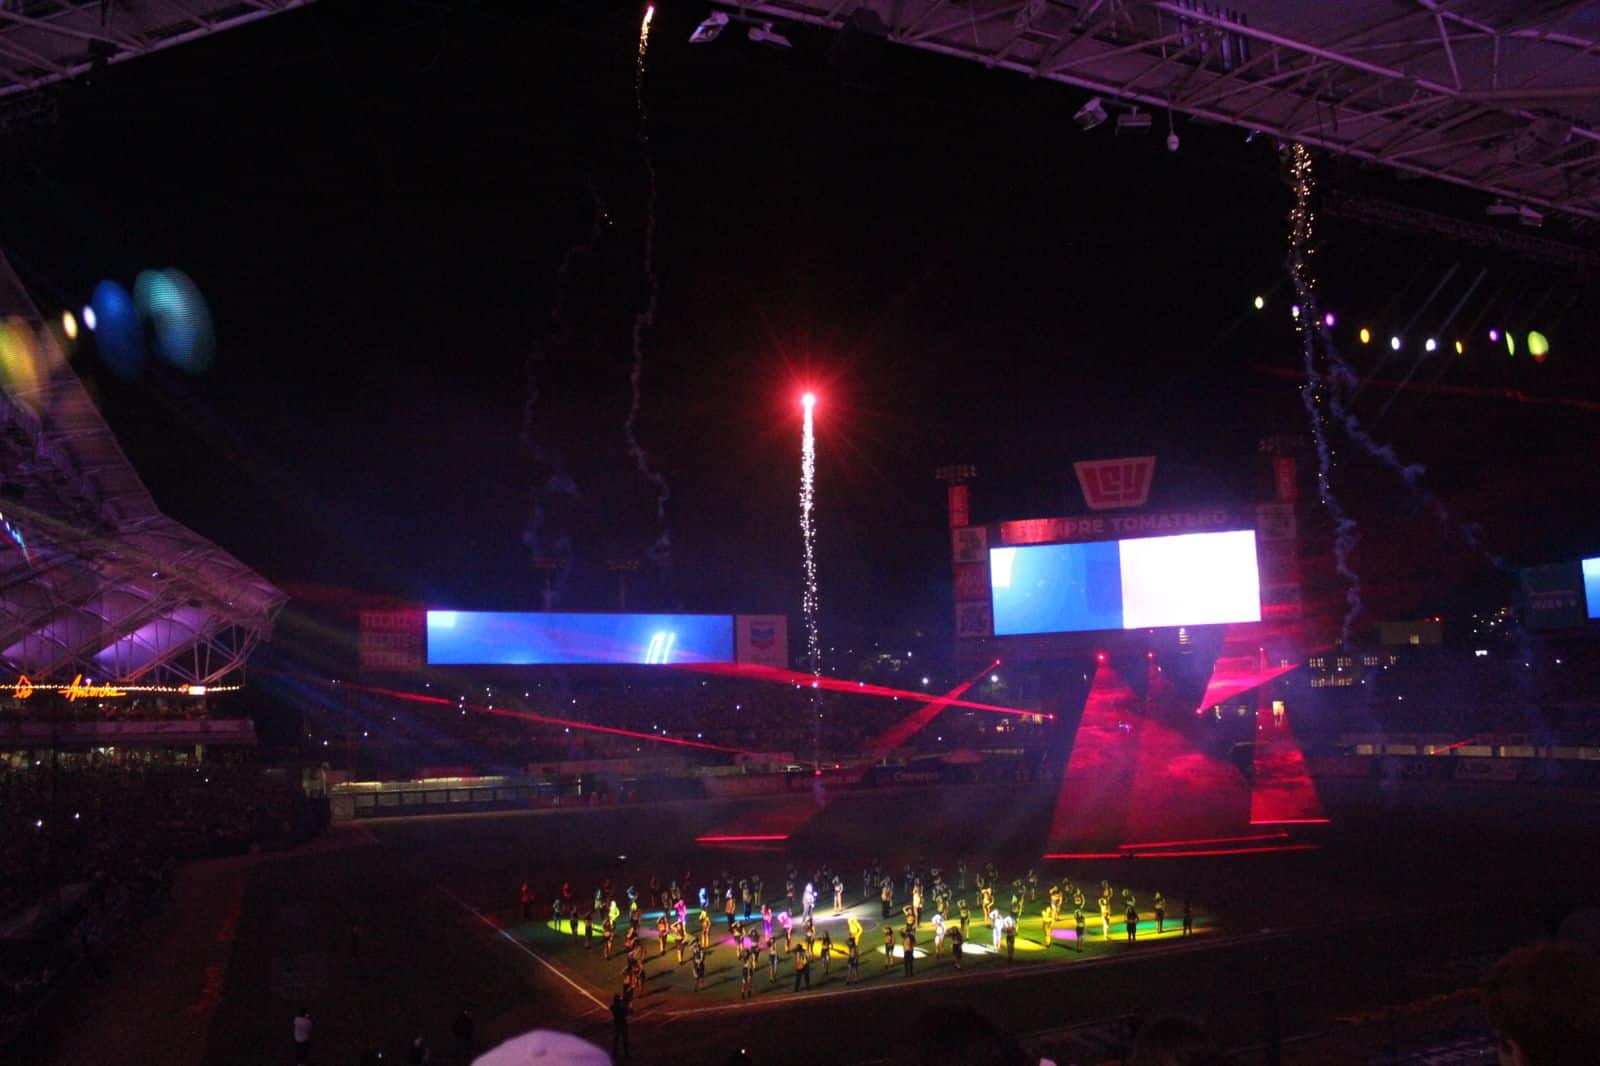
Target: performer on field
x=1161 y=913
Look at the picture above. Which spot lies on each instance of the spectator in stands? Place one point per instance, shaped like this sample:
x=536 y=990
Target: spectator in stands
x=1543 y=1003
x=302 y=1035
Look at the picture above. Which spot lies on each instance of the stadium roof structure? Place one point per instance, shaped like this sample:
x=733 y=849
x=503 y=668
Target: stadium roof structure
x=1501 y=96
x=94 y=579
x=46 y=41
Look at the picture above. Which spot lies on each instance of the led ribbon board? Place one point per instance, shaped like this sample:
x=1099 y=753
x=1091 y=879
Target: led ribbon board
x=485 y=638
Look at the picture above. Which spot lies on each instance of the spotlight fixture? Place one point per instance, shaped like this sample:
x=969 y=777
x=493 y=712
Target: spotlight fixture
x=1134 y=121
x=1294 y=310
x=88 y=317
x=1429 y=345
x=1394 y=344
x=1538 y=346
x=1494 y=336
x=1365 y=335
x=710 y=29
x=765 y=34
x=1461 y=349
x=1261 y=301
x=1090 y=115
x=1328 y=320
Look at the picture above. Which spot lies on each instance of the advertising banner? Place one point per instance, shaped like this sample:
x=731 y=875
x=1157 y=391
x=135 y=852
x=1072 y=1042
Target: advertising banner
x=1114 y=527
x=1113 y=483
x=969 y=545
x=1552 y=596
x=390 y=641
x=763 y=640
x=960 y=500
x=974 y=620
x=972 y=582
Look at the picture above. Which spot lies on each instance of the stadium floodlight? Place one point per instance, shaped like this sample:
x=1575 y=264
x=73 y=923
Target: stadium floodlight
x=1090 y=114
x=710 y=29
x=1134 y=121
x=765 y=34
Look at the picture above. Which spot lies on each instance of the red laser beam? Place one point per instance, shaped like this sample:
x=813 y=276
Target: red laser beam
x=545 y=719
x=918 y=719
x=1196 y=853
x=748 y=838
x=1269 y=849
x=1157 y=844
x=1294 y=821
x=833 y=684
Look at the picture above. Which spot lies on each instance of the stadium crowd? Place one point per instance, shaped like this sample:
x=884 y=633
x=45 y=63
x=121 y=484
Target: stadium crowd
x=91 y=849
x=486 y=729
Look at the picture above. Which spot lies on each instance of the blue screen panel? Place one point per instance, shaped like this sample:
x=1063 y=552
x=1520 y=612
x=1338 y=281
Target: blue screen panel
x=1056 y=588
x=1591 y=585
x=482 y=638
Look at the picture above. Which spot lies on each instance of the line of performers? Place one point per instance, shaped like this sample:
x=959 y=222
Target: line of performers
x=758 y=934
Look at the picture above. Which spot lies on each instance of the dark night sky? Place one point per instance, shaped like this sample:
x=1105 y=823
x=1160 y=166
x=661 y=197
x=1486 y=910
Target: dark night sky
x=375 y=199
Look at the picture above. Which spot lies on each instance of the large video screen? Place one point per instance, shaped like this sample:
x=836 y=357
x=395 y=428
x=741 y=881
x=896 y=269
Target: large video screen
x=1591 y=585
x=482 y=638
x=1188 y=580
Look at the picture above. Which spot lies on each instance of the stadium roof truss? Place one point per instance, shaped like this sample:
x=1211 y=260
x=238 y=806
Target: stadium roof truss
x=1502 y=96
x=47 y=41
x=94 y=580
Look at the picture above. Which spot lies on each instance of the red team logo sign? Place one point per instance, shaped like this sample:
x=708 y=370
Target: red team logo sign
x=1111 y=483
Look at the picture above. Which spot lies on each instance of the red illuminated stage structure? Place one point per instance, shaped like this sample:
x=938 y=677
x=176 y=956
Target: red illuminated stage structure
x=1171 y=739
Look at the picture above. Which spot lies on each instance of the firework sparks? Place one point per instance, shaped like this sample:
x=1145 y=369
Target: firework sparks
x=809 y=602
x=660 y=552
